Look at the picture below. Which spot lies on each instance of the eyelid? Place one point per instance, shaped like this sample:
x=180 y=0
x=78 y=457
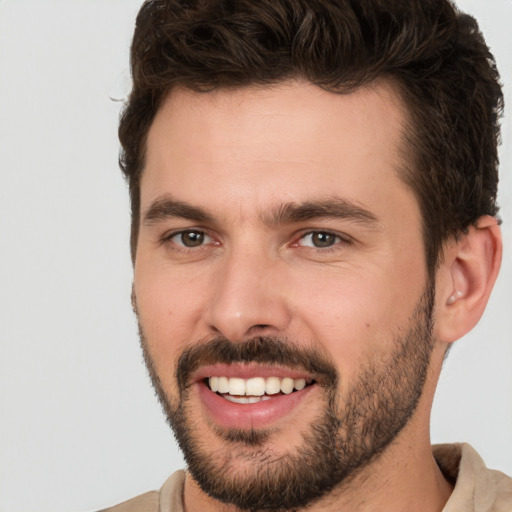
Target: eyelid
x=343 y=238
x=168 y=237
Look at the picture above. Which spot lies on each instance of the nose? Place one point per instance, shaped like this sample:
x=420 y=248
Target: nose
x=248 y=297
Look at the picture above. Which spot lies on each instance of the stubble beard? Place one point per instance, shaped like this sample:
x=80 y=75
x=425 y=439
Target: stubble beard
x=350 y=434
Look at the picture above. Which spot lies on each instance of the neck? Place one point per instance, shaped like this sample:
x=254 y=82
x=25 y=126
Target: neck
x=404 y=478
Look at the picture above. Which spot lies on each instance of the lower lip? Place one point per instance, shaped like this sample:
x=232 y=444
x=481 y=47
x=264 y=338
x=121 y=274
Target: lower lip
x=250 y=416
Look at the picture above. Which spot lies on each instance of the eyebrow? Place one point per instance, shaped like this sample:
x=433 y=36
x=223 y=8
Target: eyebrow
x=288 y=213
x=168 y=208
x=335 y=208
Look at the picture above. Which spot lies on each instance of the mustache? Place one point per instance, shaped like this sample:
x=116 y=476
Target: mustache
x=261 y=349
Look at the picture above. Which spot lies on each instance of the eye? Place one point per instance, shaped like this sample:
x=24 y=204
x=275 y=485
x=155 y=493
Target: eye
x=190 y=238
x=319 y=239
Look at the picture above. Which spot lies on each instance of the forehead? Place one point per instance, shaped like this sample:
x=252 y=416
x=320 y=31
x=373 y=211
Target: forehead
x=263 y=145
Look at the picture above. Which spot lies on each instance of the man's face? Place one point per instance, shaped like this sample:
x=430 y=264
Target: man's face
x=280 y=253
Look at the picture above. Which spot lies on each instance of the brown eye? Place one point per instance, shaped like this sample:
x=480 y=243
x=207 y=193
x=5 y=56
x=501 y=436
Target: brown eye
x=323 y=239
x=190 y=239
x=319 y=239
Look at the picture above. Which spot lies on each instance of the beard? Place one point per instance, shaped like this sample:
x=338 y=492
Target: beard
x=350 y=433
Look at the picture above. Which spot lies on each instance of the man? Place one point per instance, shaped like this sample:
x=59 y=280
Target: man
x=314 y=222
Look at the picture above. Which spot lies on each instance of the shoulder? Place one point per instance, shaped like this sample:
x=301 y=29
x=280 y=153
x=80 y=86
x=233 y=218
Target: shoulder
x=477 y=488
x=147 y=502
x=169 y=498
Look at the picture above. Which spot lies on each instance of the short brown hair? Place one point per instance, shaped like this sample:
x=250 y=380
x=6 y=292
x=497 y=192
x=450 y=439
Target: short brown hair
x=436 y=56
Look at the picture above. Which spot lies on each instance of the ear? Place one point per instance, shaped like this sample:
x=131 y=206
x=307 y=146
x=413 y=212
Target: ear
x=466 y=277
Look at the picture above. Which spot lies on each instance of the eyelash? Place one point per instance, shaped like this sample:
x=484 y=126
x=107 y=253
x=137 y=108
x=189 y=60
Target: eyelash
x=343 y=240
x=168 y=239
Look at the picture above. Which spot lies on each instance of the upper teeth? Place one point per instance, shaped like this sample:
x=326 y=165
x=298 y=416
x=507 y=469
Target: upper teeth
x=257 y=386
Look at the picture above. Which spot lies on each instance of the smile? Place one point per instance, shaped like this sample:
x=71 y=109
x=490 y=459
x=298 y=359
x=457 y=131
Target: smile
x=255 y=389
x=249 y=396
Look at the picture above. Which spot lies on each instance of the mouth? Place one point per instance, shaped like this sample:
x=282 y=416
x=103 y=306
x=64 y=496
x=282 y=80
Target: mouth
x=256 y=389
x=245 y=396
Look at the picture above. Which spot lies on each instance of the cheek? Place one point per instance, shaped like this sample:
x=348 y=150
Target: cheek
x=168 y=308
x=167 y=295
x=356 y=314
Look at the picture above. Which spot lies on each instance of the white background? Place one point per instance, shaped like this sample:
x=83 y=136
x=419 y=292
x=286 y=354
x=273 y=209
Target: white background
x=79 y=426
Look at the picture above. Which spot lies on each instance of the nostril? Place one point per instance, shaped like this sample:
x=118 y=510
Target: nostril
x=258 y=328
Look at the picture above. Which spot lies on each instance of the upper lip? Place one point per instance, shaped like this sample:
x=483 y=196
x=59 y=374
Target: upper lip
x=247 y=371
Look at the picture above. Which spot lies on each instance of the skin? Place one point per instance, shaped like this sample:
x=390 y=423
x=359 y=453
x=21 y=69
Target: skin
x=242 y=155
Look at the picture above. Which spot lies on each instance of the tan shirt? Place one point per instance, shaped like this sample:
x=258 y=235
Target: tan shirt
x=477 y=489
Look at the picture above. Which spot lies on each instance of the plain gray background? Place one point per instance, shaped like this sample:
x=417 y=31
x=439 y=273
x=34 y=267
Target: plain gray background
x=79 y=426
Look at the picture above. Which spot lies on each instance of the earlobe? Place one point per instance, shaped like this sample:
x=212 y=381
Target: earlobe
x=470 y=267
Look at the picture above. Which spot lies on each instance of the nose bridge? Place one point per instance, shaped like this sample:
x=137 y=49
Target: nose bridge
x=247 y=298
